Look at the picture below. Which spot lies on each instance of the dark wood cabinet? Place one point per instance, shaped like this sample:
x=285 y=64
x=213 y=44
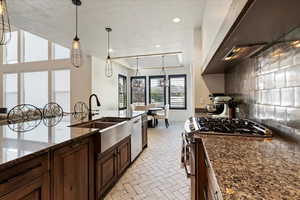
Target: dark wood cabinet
x=35 y=190
x=144 y=131
x=106 y=172
x=26 y=181
x=124 y=155
x=111 y=165
x=203 y=179
x=73 y=171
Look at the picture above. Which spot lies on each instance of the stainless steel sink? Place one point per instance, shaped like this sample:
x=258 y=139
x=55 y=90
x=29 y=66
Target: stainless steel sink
x=113 y=119
x=95 y=124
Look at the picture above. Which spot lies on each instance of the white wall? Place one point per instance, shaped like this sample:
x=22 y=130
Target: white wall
x=107 y=88
x=215 y=12
x=218 y=18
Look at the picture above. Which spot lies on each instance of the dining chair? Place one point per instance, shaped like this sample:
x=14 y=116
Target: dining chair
x=164 y=114
x=132 y=106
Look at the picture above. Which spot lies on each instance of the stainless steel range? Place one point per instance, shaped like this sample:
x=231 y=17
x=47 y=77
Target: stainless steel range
x=226 y=126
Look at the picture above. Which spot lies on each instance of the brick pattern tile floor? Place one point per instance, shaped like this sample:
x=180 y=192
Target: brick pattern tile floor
x=156 y=174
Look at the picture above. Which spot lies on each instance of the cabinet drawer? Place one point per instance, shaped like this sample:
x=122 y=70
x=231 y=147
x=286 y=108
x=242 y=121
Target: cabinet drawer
x=22 y=174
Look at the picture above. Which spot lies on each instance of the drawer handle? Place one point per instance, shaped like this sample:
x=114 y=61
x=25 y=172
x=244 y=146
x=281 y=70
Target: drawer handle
x=4 y=181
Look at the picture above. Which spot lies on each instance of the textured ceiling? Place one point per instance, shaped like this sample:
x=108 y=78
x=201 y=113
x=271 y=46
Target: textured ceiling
x=138 y=25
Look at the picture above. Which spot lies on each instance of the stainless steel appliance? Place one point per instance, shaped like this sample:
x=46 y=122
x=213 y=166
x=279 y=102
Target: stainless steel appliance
x=226 y=126
x=136 y=137
x=219 y=106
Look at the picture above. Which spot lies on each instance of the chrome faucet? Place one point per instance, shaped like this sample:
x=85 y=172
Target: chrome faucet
x=90 y=105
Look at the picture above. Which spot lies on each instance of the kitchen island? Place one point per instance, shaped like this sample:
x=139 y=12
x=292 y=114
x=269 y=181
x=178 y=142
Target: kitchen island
x=62 y=162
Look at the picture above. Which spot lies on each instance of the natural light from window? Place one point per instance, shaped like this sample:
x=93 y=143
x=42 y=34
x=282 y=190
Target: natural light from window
x=60 y=52
x=36 y=48
x=10 y=97
x=10 y=54
x=61 y=88
x=36 y=88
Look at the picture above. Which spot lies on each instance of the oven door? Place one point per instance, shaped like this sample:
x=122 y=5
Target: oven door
x=196 y=167
x=188 y=162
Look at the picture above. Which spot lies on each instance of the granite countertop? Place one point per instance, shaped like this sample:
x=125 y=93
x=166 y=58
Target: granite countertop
x=254 y=168
x=16 y=146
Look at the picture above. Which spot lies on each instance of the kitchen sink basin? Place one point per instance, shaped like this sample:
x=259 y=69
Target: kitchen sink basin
x=96 y=125
x=112 y=119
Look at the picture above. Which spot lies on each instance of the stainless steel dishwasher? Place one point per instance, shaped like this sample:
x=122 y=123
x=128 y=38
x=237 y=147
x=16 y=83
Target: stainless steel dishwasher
x=136 y=137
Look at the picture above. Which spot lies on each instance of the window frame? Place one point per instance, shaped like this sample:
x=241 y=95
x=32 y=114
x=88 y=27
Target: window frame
x=145 y=92
x=120 y=76
x=21 y=50
x=185 y=91
x=165 y=91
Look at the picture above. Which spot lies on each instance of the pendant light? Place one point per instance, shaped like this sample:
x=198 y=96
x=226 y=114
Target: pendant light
x=137 y=83
x=108 y=65
x=163 y=82
x=5 y=29
x=76 y=54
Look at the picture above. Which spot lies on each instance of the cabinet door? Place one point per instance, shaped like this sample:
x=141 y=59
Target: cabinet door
x=124 y=155
x=36 y=190
x=71 y=171
x=145 y=134
x=106 y=172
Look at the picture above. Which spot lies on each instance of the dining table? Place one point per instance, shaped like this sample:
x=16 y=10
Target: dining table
x=152 y=112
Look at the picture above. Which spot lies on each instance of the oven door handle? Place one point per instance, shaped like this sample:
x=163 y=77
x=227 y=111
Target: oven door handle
x=187 y=145
x=188 y=174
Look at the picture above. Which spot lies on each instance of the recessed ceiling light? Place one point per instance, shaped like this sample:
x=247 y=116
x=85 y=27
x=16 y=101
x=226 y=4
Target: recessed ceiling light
x=110 y=50
x=157 y=46
x=176 y=20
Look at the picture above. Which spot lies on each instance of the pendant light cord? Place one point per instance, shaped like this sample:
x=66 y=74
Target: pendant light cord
x=76 y=21
x=108 y=45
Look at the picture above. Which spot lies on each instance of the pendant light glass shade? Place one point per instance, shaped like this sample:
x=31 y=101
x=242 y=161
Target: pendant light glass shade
x=76 y=54
x=5 y=28
x=163 y=82
x=108 y=65
x=137 y=83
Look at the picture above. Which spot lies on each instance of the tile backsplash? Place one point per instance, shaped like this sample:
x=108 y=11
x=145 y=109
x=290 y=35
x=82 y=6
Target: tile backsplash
x=268 y=89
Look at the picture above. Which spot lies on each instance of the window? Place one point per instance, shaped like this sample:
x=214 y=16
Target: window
x=61 y=88
x=35 y=88
x=36 y=48
x=60 y=52
x=138 y=94
x=157 y=93
x=177 y=91
x=10 y=54
x=122 y=92
x=10 y=89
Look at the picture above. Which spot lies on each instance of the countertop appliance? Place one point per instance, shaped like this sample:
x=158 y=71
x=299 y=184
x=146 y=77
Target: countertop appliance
x=136 y=137
x=219 y=106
